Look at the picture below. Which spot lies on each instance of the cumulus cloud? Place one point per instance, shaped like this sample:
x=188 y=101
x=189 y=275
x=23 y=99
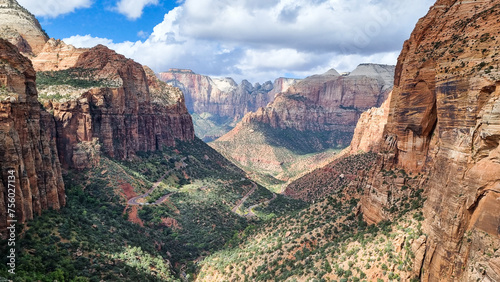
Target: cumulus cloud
x=53 y=8
x=132 y=9
x=263 y=39
x=87 y=41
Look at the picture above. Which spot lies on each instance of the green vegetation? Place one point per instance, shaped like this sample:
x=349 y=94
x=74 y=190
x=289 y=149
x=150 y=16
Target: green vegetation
x=76 y=77
x=209 y=127
x=97 y=236
x=327 y=241
x=273 y=156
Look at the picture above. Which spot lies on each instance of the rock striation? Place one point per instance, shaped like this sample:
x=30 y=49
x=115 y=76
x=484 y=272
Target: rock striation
x=217 y=104
x=94 y=101
x=27 y=142
x=316 y=114
x=369 y=131
x=56 y=55
x=328 y=102
x=21 y=28
x=444 y=123
x=445 y=119
x=223 y=97
x=132 y=111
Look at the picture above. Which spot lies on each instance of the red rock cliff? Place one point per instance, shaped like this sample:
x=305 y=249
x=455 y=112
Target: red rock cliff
x=222 y=96
x=444 y=121
x=134 y=111
x=27 y=141
x=328 y=102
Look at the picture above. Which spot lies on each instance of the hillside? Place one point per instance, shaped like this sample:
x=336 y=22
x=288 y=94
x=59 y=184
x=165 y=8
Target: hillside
x=102 y=234
x=329 y=240
x=306 y=125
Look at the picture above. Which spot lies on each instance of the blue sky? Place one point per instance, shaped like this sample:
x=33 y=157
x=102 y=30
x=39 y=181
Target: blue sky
x=102 y=20
x=257 y=40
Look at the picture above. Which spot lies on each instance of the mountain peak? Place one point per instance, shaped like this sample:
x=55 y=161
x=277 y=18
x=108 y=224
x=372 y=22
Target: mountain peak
x=332 y=71
x=21 y=28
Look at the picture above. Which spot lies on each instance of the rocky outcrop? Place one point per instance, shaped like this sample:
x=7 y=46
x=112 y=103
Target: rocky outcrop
x=21 y=28
x=444 y=123
x=56 y=55
x=328 y=102
x=27 y=142
x=315 y=115
x=223 y=97
x=369 y=130
x=134 y=111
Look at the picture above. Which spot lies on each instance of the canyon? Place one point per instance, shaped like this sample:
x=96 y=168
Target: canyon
x=89 y=102
x=414 y=195
x=315 y=115
x=444 y=122
x=27 y=142
x=441 y=126
x=217 y=104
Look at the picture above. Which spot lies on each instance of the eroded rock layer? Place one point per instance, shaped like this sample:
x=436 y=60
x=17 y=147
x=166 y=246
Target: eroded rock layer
x=223 y=97
x=130 y=111
x=27 y=143
x=21 y=28
x=328 y=102
x=444 y=122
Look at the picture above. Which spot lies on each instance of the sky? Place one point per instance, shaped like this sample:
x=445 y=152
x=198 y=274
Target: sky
x=257 y=40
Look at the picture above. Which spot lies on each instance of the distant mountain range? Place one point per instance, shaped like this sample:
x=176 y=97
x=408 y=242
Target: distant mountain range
x=316 y=114
x=218 y=103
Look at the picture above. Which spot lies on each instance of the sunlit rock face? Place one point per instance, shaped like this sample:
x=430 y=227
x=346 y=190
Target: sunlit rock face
x=21 y=28
x=328 y=102
x=27 y=142
x=444 y=121
x=223 y=96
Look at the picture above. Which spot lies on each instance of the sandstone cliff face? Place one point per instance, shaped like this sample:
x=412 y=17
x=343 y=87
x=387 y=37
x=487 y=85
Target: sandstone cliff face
x=133 y=112
x=444 y=122
x=56 y=55
x=27 y=141
x=327 y=102
x=21 y=28
x=314 y=115
x=222 y=96
x=369 y=130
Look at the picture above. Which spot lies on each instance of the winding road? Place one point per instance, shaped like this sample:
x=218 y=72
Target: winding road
x=250 y=211
x=134 y=201
x=242 y=200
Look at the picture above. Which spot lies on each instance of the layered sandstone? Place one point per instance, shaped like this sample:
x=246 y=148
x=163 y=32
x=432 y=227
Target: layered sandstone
x=369 y=130
x=328 y=102
x=27 y=142
x=21 y=28
x=56 y=55
x=132 y=112
x=223 y=97
x=444 y=123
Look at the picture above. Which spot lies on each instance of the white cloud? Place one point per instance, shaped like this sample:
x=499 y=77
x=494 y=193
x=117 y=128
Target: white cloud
x=132 y=9
x=53 y=8
x=263 y=39
x=87 y=41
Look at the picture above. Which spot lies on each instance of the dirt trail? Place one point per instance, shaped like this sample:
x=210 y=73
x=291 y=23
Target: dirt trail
x=242 y=200
x=134 y=200
x=250 y=209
